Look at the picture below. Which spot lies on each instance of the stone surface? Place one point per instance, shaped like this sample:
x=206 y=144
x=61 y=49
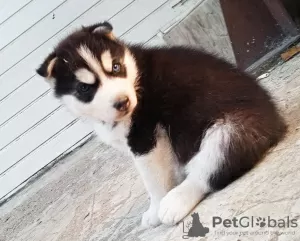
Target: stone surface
x=204 y=28
x=96 y=194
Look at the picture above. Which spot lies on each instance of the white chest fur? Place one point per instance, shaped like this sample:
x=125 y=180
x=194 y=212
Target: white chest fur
x=114 y=136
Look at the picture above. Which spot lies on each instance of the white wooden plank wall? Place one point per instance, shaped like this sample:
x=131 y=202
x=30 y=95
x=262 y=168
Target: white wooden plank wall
x=10 y=8
x=34 y=128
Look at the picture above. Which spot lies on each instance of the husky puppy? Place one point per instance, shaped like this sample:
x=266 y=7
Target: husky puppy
x=192 y=122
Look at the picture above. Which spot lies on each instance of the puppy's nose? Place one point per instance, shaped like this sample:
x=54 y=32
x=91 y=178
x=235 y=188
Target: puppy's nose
x=122 y=104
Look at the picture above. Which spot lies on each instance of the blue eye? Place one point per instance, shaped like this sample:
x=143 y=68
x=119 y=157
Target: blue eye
x=116 y=68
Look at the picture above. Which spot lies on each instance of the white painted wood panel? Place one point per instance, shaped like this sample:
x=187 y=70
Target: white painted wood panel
x=27 y=119
x=150 y=25
x=21 y=98
x=53 y=148
x=42 y=31
x=33 y=139
x=9 y=8
x=134 y=13
x=25 y=18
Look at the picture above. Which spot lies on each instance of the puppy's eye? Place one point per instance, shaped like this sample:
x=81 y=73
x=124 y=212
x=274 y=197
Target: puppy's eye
x=83 y=88
x=116 y=68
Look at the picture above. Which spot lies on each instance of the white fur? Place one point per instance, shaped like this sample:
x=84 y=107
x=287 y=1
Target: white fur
x=114 y=136
x=160 y=173
x=91 y=60
x=107 y=60
x=85 y=76
x=183 y=198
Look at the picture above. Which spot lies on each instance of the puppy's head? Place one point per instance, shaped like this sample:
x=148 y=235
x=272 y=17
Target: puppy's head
x=94 y=74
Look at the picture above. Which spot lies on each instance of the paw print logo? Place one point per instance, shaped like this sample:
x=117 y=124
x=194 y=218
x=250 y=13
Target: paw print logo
x=261 y=222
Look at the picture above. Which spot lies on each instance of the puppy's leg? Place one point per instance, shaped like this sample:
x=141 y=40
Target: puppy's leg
x=160 y=173
x=183 y=198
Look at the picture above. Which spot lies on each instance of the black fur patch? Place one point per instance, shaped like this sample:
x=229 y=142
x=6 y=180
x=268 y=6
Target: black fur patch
x=187 y=91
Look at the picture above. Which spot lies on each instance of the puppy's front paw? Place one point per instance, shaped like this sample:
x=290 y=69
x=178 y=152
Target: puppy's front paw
x=172 y=208
x=150 y=218
x=178 y=203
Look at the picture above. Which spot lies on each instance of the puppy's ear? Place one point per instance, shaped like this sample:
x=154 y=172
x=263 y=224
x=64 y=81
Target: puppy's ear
x=46 y=68
x=103 y=28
